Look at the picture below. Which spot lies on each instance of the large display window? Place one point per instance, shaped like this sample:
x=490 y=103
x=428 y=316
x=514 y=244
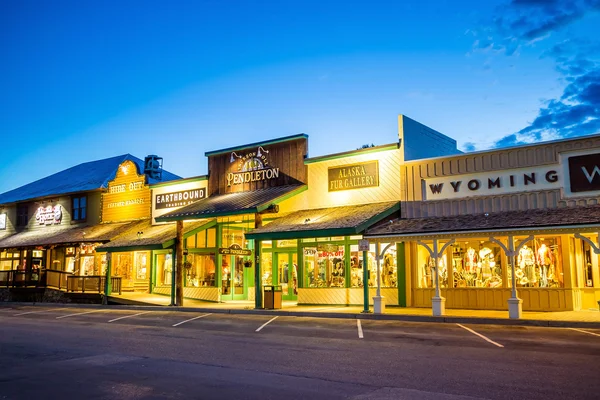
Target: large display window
x=539 y=263
x=476 y=264
x=164 y=267
x=325 y=266
x=9 y=260
x=200 y=271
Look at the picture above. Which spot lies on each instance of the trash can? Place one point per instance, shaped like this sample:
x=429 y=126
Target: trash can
x=272 y=297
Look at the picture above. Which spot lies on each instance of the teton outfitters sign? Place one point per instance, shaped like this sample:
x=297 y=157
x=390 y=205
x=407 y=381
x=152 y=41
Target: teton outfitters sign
x=584 y=173
x=251 y=167
x=353 y=176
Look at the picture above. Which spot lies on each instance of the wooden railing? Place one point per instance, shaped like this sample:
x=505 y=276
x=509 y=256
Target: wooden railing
x=19 y=278
x=92 y=284
x=57 y=279
x=60 y=280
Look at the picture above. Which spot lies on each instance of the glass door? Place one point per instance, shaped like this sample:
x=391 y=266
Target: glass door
x=287 y=275
x=232 y=278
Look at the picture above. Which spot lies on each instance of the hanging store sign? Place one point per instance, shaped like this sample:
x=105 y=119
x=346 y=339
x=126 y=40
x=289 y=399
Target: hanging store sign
x=584 y=173
x=235 y=250
x=2 y=221
x=178 y=199
x=49 y=215
x=128 y=196
x=353 y=176
x=251 y=167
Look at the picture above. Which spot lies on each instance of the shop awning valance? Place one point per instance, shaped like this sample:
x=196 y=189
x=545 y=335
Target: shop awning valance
x=334 y=221
x=145 y=236
x=566 y=219
x=47 y=236
x=234 y=203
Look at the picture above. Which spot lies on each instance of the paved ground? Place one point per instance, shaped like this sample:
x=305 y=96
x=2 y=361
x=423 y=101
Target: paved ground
x=52 y=352
x=588 y=318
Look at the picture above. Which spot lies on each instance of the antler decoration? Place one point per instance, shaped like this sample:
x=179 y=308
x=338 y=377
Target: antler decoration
x=234 y=156
x=259 y=154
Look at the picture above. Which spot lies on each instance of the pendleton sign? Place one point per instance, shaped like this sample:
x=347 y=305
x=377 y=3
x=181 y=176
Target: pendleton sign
x=178 y=199
x=353 y=176
x=251 y=167
x=128 y=196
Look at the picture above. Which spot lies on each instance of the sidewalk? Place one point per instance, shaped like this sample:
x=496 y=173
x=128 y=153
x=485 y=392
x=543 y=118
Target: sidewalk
x=583 y=318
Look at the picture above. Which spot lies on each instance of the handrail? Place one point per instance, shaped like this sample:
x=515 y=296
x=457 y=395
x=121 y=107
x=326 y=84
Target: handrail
x=91 y=284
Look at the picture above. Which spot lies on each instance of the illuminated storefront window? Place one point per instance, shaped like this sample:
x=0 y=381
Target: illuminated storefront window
x=164 y=266
x=539 y=264
x=325 y=266
x=201 y=270
x=475 y=263
x=9 y=260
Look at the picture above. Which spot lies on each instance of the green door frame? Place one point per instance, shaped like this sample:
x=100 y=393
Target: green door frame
x=289 y=255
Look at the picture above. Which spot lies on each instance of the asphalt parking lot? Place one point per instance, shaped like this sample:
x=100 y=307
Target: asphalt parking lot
x=103 y=353
x=476 y=335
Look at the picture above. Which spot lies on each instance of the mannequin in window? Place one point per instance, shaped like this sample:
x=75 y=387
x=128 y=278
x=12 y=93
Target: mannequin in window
x=545 y=259
x=485 y=257
x=526 y=263
x=471 y=260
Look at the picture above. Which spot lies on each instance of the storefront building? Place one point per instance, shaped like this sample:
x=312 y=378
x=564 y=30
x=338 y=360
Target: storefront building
x=51 y=229
x=295 y=222
x=470 y=214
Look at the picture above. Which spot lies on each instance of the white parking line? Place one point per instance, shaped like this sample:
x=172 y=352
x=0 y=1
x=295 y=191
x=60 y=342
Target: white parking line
x=39 y=311
x=81 y=313
x=129 y=316
x=267 y=323
x=581 y=330
x=481 y=336
x=192 y=319
x=360 y=331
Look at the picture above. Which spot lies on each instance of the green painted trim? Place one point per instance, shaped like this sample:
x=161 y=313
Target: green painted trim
x=133 y=248
x=173 y=267
x=401 y=274
x=376 y=218
x=203 y=227
x=179 y=181
x=376 y=149
x=302 y=234
x=264 y=143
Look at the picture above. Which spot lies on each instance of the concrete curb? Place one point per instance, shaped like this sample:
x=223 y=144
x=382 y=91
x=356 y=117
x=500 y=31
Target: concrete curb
x=328 y=314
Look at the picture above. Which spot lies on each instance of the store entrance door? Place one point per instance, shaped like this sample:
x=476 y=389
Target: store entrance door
x=287 y=275
x=232 y=278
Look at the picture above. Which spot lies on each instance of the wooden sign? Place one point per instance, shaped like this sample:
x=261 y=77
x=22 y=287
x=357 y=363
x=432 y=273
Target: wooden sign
x=235 y=250
x=128 y=196
x=258 y=166
x=353 y=176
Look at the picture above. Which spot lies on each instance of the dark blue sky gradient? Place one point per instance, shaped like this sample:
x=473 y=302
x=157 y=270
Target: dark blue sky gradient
x=83 y=80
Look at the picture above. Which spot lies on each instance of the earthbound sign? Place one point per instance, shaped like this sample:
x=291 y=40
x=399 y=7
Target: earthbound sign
x=353 y=176
x=251 y=167
x=178 y=199
x=492 y=183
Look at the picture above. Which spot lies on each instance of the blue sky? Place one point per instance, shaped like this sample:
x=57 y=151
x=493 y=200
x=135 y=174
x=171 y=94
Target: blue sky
x=84 y=80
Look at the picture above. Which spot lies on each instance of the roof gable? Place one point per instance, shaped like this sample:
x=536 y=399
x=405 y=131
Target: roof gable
x=84 y=177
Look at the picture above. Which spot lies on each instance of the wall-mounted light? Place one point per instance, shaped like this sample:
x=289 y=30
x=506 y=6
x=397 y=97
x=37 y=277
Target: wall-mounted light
x=139 y=234
x=307 y=220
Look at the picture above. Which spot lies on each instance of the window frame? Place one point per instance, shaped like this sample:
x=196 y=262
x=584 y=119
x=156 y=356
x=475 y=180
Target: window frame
x=73 y=208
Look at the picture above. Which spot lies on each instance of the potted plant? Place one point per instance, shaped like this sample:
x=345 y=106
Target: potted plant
x=248 y=263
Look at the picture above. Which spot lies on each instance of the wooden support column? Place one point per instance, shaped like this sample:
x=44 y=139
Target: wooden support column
x=179 y=265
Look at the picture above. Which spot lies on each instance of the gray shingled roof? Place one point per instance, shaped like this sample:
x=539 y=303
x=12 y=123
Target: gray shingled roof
x=544 y=218
x=77 y=234
x=84 y=177
x=231 y=203
x=334 y=221
x=152 y=235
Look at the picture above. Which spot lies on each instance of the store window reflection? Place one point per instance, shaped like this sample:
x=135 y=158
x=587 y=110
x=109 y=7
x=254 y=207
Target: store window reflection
x=539 y=263
x=476 y=263
x=325 y=266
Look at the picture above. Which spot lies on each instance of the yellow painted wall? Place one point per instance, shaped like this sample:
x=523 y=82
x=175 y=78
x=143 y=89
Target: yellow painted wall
x=344 y=296
x=318 y=196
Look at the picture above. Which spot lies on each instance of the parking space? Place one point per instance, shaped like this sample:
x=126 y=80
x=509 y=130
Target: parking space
x=496 y=337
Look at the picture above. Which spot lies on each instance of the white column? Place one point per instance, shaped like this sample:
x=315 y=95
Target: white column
x=438 y=303
x=378 y=300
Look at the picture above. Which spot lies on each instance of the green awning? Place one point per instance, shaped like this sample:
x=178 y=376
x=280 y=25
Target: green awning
x=321 y=222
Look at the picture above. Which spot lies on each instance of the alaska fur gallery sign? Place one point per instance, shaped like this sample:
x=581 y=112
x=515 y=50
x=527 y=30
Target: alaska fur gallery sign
x=353 y=176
